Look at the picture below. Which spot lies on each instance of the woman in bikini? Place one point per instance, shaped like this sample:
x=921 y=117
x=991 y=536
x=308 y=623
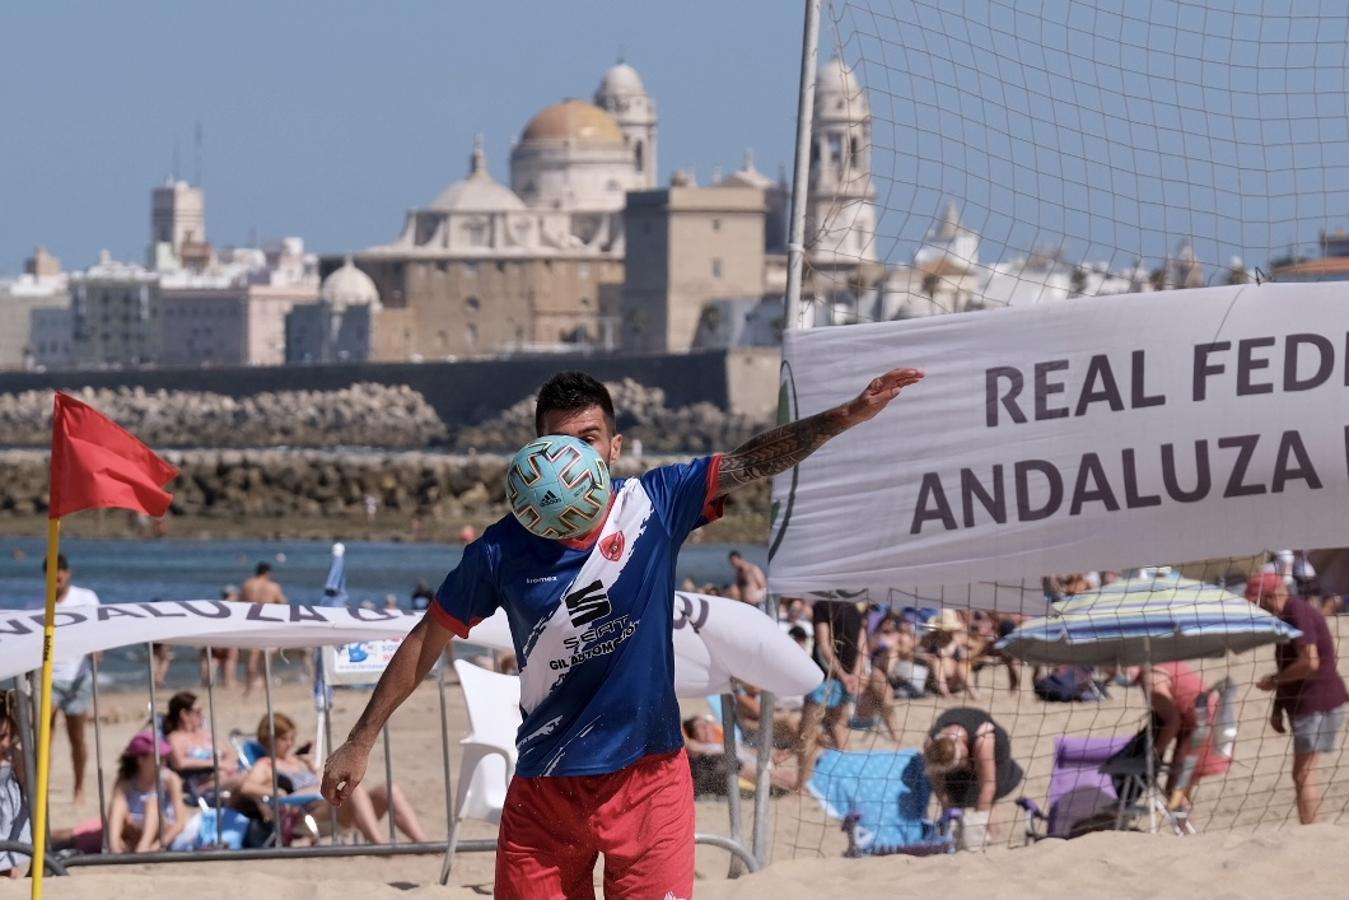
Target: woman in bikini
x=296 y=774
x=194 y=754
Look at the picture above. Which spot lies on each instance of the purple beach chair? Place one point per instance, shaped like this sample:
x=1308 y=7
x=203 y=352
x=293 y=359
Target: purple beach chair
x=1081 y=797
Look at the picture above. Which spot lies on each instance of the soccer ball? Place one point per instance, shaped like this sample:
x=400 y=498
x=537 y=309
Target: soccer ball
x=558 y=487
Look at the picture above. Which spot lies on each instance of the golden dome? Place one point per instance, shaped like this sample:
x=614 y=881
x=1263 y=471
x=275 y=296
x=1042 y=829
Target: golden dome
x=573 y=120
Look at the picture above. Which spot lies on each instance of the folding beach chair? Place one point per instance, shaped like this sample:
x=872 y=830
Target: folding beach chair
x=881 y=798
x=292 y=806
x=1082 y=798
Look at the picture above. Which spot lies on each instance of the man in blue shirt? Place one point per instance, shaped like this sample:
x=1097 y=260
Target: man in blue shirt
x=601 y=761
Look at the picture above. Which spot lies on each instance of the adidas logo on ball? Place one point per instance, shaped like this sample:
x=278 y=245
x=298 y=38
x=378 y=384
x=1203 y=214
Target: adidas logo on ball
x=558 y=487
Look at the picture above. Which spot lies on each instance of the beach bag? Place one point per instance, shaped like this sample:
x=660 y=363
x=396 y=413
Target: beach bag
x=1068 y=684
x=221 y=825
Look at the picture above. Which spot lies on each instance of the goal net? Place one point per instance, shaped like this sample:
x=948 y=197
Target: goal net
x=971 y=156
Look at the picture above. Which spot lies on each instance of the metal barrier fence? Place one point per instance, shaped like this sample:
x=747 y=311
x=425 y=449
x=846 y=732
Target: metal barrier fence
x=58 y=863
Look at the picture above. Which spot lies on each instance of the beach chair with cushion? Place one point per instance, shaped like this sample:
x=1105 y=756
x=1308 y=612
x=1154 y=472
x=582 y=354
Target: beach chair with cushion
x=881 y=798
x=292 y=806
x=1082 y=797
x=489 y=753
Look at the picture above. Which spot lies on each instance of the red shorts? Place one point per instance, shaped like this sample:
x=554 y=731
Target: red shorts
x=640 y=818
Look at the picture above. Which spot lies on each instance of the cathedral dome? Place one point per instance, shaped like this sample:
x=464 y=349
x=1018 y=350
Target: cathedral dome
x=620 y=80
x=349 y=286
x=573 y=120
x=479 y=192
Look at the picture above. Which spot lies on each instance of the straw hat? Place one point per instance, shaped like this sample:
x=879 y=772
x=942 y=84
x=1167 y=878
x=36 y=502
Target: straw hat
x=948 y=620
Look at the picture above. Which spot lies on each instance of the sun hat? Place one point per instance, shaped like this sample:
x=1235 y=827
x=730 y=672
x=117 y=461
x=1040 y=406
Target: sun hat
x=143 y=744
x=948 y=620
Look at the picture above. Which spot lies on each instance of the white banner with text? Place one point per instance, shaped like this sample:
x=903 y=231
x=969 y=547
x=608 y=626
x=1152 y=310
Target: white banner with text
x=1093 y=434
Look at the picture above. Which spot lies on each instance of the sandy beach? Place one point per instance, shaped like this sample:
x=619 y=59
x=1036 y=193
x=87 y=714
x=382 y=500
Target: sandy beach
x=1250 y=844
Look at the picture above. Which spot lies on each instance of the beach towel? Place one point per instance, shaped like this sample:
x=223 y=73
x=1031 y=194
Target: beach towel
x=887 y=791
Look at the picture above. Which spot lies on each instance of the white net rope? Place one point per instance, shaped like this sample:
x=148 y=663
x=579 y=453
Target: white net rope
x=975 y=155
x=981 y=154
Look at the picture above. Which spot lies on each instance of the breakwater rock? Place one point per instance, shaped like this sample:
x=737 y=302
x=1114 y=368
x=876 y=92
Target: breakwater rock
x=367 y=415
x=423 y=493
x=643 y=418
x=373 y=415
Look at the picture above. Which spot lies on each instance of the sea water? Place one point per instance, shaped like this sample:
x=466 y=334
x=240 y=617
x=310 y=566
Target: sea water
x=129 y=571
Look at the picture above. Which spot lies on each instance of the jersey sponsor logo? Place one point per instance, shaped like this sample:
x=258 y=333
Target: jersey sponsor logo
x=540 y=579
x=601 y=640
x=612 y=546
x=588 y=604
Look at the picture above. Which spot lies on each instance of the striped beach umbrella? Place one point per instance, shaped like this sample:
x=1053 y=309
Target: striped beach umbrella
x=1131 y=623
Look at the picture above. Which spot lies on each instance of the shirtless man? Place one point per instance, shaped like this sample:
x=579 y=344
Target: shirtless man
x=259 y=589
x=749 y=579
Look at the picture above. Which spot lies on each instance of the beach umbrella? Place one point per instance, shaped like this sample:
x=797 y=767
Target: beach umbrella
x=1143 y=621
x=334 y=594
x=335 y=587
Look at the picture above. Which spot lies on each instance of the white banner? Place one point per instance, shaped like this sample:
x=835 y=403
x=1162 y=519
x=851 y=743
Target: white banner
x=715 y=639
x=195 y=623
x=1093 y=434
x=360 y=663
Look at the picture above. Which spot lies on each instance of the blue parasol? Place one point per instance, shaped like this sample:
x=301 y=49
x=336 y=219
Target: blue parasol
x=334 y=594
x=1142 y=621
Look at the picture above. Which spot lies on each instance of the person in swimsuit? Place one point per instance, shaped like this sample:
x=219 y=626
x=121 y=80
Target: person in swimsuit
x=969 y=760
x=141 y=791
x=365 y=809
x=194 y=754
x=749 y=579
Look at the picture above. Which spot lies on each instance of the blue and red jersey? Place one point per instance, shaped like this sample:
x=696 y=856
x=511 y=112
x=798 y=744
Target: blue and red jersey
x=591 y=620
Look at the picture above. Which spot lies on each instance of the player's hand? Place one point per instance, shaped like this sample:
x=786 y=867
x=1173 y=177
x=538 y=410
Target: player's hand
x=1276 y=720
x=878 y=394
x=1267 y=683
x=343 y=772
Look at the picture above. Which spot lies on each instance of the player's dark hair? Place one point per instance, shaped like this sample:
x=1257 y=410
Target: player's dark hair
x=570 y=392
x=262 y=569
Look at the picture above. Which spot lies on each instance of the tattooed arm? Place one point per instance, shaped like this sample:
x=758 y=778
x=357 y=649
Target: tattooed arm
x=778 y=450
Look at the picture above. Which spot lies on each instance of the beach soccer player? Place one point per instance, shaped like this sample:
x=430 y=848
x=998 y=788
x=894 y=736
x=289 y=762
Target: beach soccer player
x=602 y=767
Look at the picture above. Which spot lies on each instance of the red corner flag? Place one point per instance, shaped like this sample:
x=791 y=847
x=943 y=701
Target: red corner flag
x=97 y=464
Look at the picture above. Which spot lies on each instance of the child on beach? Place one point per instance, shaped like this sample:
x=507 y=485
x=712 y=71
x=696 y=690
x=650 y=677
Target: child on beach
x=142 y=794
x=14 y=818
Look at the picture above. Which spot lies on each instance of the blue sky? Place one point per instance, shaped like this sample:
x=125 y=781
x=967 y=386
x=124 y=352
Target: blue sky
x=1049 y=122
x=330 y=119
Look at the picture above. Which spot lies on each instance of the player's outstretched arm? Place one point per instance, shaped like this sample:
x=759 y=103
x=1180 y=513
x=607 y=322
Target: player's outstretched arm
x=412 y=662
x=767 y=454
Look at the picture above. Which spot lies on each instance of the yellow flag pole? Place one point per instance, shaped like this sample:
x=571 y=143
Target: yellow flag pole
x=44 y=719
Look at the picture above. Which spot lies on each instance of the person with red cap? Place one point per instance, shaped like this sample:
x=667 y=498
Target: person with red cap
x=1307 y=686
x=145 y=791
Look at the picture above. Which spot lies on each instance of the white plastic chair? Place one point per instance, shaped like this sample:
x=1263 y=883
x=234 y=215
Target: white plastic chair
x=489 y=756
